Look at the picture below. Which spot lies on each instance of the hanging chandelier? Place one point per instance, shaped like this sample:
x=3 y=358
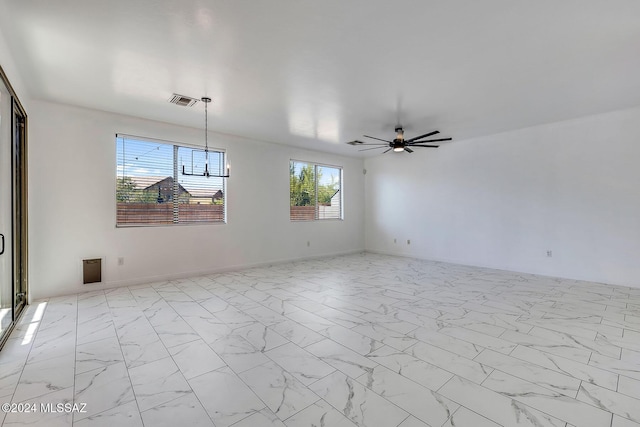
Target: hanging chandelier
x=206 y=171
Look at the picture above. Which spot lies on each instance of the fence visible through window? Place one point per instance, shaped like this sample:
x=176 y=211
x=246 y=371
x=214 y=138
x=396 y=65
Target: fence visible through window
x=152 y=189
x=315 y=191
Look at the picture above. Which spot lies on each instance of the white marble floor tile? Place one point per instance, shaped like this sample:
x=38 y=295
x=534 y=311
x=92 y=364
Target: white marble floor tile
x=596 y=346
x=619 y=421
x=176 y=333
x=502 y=409
x=225 y=397
x=311 y=320
x=559 y=406
x=319 y=414
x=279 y=390
x=361 y=405
x=423 y=373
x=453 y=344
x=195 y=291
x=280 y=306
x=343 y=359
x=95 y=328
x=568 y=367
x=340 y=317
x=451 y=362
x=479 y=339
x=41 y=418
x=185 y=410
x=385 y=335
x=265 y=315
x=234 y=317
x=356 y=341
x=209 y=327
x=629 y=369
x=188 y=308
x=238 y=353
x=9 y=376
x=629 y=386
x=46 y=376
x=126 y=415
x=214 y=303
x=261 y=337
x=195 y=358
x=98 y=354
x=15 y=350
x=102 y=389
x=160 y=313
x=140 y=350
x=338 y=304
x=610 y=401
x=547 y=378
x=580 y=355
x=130 y=328
x=463 y=417
x=303 y=365
x=424 y=404
x=512 y=349
x=262 y=418
x=52 y=345
x=296 y=333
x=158 y=382
x=412 y=421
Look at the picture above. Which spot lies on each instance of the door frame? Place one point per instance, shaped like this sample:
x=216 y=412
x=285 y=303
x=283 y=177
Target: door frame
x=19 y=202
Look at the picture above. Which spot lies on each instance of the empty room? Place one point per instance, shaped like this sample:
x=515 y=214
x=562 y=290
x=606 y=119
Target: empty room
x=153 y=272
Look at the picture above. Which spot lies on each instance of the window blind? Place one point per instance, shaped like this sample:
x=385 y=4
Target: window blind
x=163 y=183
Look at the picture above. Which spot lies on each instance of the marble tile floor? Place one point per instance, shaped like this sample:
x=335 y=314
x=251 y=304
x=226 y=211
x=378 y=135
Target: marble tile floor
x=358 y=340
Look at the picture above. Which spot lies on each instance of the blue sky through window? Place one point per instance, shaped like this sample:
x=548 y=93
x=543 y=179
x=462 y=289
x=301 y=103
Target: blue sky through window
x=137 y=158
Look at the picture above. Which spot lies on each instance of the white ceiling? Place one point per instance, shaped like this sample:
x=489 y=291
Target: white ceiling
x=317 y=74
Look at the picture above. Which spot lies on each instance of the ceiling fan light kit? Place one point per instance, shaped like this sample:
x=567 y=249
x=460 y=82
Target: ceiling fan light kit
x=399 y=144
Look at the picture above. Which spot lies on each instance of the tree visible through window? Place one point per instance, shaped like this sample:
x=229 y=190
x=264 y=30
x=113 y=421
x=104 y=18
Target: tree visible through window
x=314 y=191
x=160 y=183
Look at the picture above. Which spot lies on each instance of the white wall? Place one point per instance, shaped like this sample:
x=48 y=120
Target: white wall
x=9 y=66
x=502 y=201
x=72 y=206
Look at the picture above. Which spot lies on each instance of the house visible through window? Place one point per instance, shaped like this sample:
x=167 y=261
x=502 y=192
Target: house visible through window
x=315 y=191
x=162 y=183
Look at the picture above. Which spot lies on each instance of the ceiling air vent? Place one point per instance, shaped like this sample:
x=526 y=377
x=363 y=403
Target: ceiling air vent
x=183 y=101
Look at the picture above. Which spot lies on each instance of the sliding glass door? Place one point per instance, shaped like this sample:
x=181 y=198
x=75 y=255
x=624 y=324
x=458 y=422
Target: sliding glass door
x=13 y=215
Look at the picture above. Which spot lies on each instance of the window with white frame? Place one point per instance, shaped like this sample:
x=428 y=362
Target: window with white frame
x=166 y=183
x=315 y=191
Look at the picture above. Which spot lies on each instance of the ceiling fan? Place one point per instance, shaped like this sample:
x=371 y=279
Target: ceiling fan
x=399 y=144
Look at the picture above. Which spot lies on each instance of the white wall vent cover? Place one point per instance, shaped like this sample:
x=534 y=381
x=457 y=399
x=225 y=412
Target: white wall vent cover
x=183 y=101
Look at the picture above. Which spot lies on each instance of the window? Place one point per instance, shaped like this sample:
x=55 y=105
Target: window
x=162 y=183
x=315 y=191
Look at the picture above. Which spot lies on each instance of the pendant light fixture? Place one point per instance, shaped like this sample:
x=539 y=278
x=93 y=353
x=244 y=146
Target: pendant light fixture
x=206 y=172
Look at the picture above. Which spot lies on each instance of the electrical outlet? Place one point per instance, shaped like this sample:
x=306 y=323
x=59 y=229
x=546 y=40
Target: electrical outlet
x=120 y=260
x=549 y=254
x=308 y=243
x=408 y=242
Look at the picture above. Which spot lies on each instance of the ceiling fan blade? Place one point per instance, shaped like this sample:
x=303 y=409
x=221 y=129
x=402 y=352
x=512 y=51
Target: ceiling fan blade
x=379 y=139
x=386 y=151
x=384 y=145
x=373 y=148
x=422 y=136
x=430 y=140
x=408 y=150
x=425 y=146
